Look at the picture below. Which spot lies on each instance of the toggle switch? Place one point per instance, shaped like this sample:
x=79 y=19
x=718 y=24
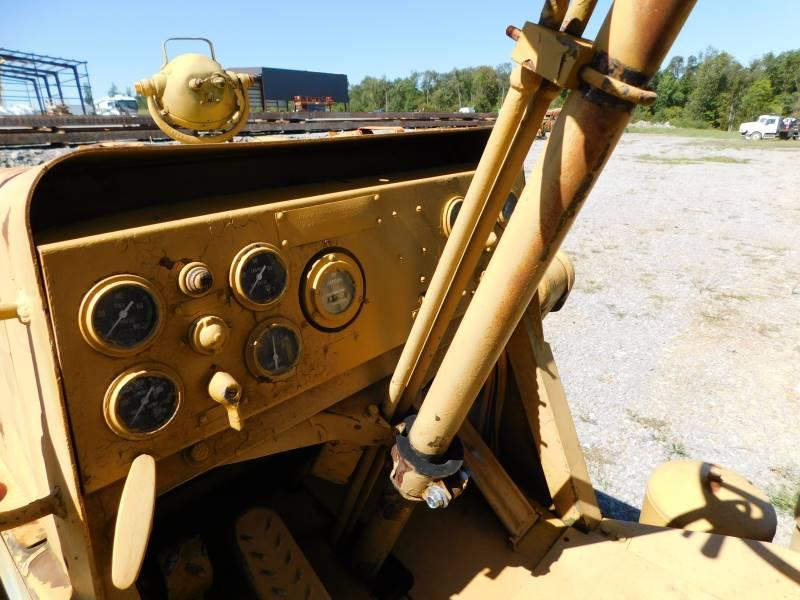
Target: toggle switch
x=223 y=388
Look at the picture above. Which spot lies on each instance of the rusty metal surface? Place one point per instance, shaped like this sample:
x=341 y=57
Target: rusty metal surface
x=34 y=130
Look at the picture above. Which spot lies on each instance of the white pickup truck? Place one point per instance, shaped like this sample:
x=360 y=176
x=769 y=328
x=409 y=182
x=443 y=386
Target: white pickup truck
x=118 y=105
x=769 y=126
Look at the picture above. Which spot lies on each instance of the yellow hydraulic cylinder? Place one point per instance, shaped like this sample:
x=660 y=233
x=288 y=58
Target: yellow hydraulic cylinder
x=635 y=37
x=633 y=40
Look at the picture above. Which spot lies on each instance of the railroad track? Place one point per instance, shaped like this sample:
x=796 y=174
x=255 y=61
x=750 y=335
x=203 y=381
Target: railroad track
x=42 y=130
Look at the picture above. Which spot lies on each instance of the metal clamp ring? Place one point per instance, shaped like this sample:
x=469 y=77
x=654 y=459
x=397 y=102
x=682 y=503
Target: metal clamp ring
x=618 y=89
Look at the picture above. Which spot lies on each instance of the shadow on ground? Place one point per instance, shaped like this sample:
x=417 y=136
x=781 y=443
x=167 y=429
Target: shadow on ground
x=616 y=509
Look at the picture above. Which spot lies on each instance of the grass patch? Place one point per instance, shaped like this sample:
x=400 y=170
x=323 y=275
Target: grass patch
x=659 y=427
x=784 y=499
x=592 y=287
x=685 y=160
x=733 y=296
x=687 y=132
x=722 y=139
x=678 y=450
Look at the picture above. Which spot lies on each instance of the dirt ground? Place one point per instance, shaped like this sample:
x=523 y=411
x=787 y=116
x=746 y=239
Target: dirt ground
x=681 y=338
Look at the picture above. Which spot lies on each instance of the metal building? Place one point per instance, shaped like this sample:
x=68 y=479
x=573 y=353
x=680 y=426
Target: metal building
x=289 y=89
x=43 y=83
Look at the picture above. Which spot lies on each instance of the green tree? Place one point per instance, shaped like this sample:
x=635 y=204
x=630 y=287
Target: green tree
x=716 y=85
x=757 y=99
x=113 y=90
x=485 y=89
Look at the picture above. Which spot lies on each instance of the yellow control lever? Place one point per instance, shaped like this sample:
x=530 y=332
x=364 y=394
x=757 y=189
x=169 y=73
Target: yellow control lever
x=134 y=521
x=223 y=388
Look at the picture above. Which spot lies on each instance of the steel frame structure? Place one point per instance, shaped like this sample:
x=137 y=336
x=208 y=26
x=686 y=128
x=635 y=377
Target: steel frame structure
x=52 y=79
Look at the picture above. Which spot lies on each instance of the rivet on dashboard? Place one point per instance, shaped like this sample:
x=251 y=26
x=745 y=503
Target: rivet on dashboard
x=394 y=213
x=423 y=279
x=199 y=453
x=419 y=208
x=279 y=216
x=380 y=221
x=424 y=250
x=284 y=243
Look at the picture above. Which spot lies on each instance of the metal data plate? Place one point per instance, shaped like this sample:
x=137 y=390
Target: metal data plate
x=277 y=566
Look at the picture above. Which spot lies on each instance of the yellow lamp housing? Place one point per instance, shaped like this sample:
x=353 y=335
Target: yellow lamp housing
x=194 y=92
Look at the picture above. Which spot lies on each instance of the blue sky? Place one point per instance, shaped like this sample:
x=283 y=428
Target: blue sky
x=357 y=38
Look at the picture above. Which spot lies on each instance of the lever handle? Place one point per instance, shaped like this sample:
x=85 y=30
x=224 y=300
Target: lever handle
x=134 y=522
x=223 y=388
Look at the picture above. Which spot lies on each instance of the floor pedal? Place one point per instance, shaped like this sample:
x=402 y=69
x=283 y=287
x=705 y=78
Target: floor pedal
x=277 y=566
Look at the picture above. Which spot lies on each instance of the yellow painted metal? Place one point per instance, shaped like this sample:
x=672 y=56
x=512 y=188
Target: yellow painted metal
x=59 y=266
x=134 y=521
x=225 y=390
x=276 y=565
x=476 y=219
x=554 y=56
x=208 y=335
x=699 y=496
x=73 y=263
x=36 y=509
x=193 y=91
x=394 y=230
x=551 y=423
x=555 y=192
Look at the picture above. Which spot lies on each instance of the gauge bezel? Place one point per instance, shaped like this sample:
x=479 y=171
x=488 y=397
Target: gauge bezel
x=446 y=211
x=240 y=260
x=250 y=354
x=501 y=219
x=93 y=296
x=112 y=396
x=319 y=266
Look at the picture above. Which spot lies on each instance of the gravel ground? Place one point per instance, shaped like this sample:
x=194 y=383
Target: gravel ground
x=682 y=335
x=681 y=338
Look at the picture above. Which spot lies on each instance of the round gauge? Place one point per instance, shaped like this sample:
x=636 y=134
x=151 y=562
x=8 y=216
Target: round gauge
x=142 y=401
x=450 y=213
x=508 y=208
x=273 y=349
x=332 y=290
x=121 y=315
x=258 y=276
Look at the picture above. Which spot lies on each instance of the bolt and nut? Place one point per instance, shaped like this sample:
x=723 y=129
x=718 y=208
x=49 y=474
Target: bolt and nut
x=435 y=497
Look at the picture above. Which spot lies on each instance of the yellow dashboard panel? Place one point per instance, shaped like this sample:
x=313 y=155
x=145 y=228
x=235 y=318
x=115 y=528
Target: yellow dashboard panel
x=391 y=236
x=237 y=288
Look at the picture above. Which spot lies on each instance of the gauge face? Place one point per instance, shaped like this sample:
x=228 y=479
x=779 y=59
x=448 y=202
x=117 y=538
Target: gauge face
x=337 y=291
x=258 y=276
x=121 y=315
x=332 y=290
x=508 y=208
x=275 y=348
x=142 y=401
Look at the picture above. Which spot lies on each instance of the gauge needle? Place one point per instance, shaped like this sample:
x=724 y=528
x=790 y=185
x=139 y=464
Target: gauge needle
x=145 y=402
x=123 y=314
x=258 y=278
x=275 y=354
